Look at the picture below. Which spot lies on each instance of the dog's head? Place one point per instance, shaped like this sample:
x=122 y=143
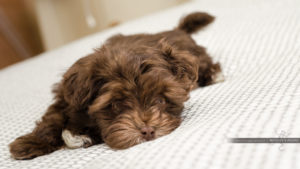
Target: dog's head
x=133 y=97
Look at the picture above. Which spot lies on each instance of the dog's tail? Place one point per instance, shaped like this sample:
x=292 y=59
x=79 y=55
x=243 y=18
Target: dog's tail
x=195 y=21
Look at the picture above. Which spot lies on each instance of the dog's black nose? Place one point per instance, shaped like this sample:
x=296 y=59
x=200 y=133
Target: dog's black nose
x=148 y=133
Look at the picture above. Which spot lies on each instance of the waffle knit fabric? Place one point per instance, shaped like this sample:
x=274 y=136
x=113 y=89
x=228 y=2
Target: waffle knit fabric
x=257 y=43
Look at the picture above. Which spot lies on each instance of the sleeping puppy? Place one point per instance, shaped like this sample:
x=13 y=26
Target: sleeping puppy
x=129 y=91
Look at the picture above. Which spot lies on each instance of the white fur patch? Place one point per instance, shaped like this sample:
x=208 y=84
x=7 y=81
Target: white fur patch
x=219 y=77
x=75 y=141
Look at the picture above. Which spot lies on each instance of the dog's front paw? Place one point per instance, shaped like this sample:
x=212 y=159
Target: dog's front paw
x=28 y=147
x=76 y=141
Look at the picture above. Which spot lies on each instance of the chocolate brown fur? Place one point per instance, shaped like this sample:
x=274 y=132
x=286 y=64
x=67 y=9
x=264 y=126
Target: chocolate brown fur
x=130 y=83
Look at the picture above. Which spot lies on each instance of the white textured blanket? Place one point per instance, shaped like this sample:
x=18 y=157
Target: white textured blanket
x=258 y=44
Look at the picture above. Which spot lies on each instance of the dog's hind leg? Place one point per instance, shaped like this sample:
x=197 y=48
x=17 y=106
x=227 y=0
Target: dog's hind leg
x=209 y=72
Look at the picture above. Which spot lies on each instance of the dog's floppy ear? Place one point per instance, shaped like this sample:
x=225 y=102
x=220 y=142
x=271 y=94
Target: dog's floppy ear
x=182 y=63
x=80 y=83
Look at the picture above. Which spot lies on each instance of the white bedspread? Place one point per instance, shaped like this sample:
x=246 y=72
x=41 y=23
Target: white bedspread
x=258 y=44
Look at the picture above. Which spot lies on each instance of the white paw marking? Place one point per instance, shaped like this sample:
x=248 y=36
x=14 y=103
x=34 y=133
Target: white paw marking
x=219 y=77
x=75 y=141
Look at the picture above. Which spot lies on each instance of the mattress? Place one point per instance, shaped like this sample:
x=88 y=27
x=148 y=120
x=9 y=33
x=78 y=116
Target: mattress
x=257 y=43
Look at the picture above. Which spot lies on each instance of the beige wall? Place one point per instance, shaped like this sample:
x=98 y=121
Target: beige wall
x=62 y=21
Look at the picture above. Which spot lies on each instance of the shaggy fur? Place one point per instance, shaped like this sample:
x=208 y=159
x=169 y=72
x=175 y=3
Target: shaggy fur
x=129 y=91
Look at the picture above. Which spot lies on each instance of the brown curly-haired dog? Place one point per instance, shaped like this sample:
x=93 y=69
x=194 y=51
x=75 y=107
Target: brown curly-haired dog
x=129 y=91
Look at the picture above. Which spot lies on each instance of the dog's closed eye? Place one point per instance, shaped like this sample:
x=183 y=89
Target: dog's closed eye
x=160 y=101
x=116 y=106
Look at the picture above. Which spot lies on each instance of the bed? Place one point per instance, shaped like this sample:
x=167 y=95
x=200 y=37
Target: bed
x=258 y=44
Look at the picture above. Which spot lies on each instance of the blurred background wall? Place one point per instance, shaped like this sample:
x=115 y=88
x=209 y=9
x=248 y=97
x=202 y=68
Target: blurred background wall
x=30 y=27
x=19 y=32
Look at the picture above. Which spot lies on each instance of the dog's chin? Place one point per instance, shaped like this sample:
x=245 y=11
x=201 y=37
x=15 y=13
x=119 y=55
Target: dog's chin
x=125 y=134
x=122 y=139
